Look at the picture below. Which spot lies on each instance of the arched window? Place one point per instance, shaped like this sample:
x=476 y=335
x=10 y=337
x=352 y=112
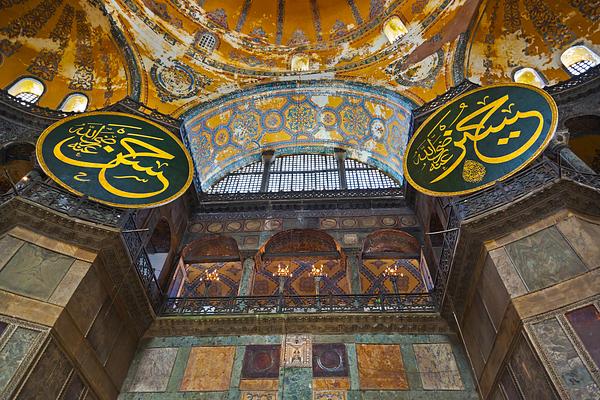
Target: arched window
x=394 y=29
x=206 y=41
x=27 y=90
x=303 y=173
x=16 y=160
x=578 y=59
x=529 y=76
x=300 y=62
x=75 y=102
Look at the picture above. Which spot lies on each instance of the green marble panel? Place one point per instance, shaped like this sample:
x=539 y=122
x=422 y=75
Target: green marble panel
x=13 y=354
x=34 y=271
x=297 y=383
x=544 y=259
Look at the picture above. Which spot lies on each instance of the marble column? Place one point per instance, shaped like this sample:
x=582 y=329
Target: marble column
x=568 y=158
x=353 y=267
x=247 y=271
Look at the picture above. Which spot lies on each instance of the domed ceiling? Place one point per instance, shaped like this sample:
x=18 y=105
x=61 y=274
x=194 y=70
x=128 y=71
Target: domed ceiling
x=68 y=45
x=256 y=39
x=510 y=34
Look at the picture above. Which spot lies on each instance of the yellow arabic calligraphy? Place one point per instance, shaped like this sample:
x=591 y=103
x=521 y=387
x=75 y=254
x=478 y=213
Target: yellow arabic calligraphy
x=474 y=127
x=91 y=139
x=130 y=158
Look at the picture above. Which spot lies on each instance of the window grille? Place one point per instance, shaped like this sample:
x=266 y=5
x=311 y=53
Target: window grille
x=303 y=172
x=28 y=97
x=245 y=180
x=580 y=67
x=207 y=41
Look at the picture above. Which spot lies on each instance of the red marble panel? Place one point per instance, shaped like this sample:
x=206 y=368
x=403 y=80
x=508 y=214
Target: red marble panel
x=329 y=360
x=261 y=361
x=586 y=323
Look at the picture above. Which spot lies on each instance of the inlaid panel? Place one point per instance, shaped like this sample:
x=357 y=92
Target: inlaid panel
x=437 y=367
x=297 y=351
x=8 y=247
x=380 y=366
x=586 y=323
x=153 y=370
x=564 y=359
x=48 y=376
x=329 y=360
x=544 y=259
x=34 y=271
x=261 y=361
x=14 y=352
x=208 y=369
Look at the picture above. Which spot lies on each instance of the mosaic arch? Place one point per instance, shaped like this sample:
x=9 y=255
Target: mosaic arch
x=372 y=124
x=299 y=250
x=208 y=254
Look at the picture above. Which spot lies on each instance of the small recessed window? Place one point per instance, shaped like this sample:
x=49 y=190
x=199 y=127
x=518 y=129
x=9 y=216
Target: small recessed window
x=394 y=29
x=300 y=62
x=75 y=102
x=206 y=41
x=578 y=59
x=27 y=90
x=529 y=76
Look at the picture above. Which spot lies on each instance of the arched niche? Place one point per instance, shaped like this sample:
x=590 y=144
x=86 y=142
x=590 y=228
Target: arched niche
x=371 y=124
x=386 y=250
x=584 y=139
x=209 y=266
x=300 y=250
x=16 y=161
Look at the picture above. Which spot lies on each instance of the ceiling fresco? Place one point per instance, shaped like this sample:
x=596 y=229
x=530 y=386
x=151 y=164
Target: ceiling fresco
x=255 y=41
x=209 y=62
x=68 y=45
x=510 y=34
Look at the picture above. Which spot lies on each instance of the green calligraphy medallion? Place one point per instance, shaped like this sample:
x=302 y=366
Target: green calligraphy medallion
x=480 y=137
x=117 y=159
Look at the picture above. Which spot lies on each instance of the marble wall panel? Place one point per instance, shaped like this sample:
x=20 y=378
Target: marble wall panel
x=154 y=369
x=14 y=352
x=3 y=326
x=104 y=331
x=297 y=351
x=583 y=236
x=329 y=395
x=329 y=360
x=8 y=247
x=74 y=388
x=331 y=384
x=529 y=373
x=296 y=384
x=438 y=367
x=564 y=359
x=509 y=386
x=544 y=259
x=261 y=361
x=493 y=293
x=34 y=271
x=586 y=323
x=258 y=395
x=507 y=271
x=259 y=384
x=208 y=369
x=381 y=367
x=48 y=376
x=87 y=301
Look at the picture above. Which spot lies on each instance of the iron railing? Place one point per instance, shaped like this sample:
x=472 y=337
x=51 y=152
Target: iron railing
x=351 y=303
x=538 y=175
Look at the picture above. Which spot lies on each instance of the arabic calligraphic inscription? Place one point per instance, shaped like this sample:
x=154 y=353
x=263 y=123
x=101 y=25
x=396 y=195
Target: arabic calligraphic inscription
x=481 y=137
x=117 y=159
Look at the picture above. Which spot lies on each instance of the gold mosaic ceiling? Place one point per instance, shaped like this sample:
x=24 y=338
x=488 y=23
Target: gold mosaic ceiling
x=68 y=45
x=255 y=40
